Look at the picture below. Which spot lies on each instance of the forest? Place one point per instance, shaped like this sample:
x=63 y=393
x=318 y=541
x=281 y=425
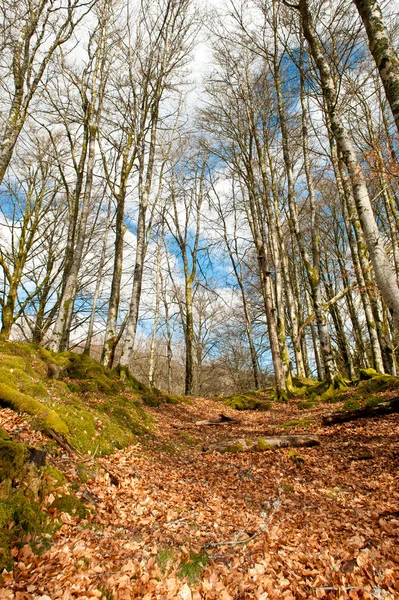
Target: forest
x=199 y=274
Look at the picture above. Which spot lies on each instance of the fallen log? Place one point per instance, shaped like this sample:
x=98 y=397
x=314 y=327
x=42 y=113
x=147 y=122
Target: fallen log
x=386 y=408
x=264 y=443
x=221 y=420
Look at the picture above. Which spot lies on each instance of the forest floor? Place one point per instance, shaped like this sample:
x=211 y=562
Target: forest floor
x=320 y=522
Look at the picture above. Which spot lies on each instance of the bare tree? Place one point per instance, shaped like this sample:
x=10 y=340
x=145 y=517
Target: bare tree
x=32 y=32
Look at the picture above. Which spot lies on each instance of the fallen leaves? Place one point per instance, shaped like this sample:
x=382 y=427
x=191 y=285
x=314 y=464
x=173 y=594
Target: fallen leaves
x=333 y=534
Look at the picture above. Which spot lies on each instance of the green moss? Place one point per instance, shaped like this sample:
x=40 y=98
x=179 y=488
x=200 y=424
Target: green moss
x=166 y=557
x=58 y=388
x=351 y=404
x=297 y=423
x=308 y=404
x=35 y=389
x=14 y=377
x=70 y=504
x=90 y=425
x=10 y=362
x=300 y=382
x=87 y=472
x=81 y=425
x=47 y=418
x=327 y=390
x=233 y=448
x=54 y=475
x=365 y=374
x=192 y=568
x=286 y=487
x=380 y=383
x=295 y=457
x=262 y=445
x=153 y=397
x=20 y=516
x=373 y=401
x=182 y=437
x=103 y=427
x=247 y=402
x=13 y=456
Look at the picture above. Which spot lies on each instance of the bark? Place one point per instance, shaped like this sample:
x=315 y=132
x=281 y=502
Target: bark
x=151 y=367
x=384 y=54
x=265 y=274
x=384 y=272
x=145 y=186
x=264 y=443
x=110 y=339
x=97 y=290
x=357 y=248
x=24 y=239
x=221 y=420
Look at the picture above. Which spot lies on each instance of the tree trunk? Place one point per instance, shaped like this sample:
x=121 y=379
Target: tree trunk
x=384 y=54
x=312 y=270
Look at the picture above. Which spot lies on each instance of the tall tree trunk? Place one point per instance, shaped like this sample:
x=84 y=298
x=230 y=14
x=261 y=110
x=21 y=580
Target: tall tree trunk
x=151 y=367
x=312 y=271
x=145 y=185
x=99 y=278
x=384 y=54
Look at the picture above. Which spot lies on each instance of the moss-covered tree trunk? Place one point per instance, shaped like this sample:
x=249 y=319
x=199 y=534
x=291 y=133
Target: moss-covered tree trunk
x=383 y=52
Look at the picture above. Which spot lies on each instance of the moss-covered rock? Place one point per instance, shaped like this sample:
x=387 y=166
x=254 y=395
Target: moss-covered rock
x=306 y=382
x=379 y=383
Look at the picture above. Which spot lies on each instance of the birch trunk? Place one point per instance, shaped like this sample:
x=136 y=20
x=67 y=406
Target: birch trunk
x=145 y=186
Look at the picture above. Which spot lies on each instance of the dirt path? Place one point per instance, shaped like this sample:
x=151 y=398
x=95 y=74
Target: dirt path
x=324 y=521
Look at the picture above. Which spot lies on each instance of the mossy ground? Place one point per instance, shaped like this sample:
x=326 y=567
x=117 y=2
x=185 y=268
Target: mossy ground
x=23 y=486
x=249 y=401
x=369 y=390
x=96 y=410
x=193 y=566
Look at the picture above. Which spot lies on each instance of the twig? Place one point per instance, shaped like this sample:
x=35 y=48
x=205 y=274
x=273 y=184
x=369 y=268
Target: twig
x=236 y=542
